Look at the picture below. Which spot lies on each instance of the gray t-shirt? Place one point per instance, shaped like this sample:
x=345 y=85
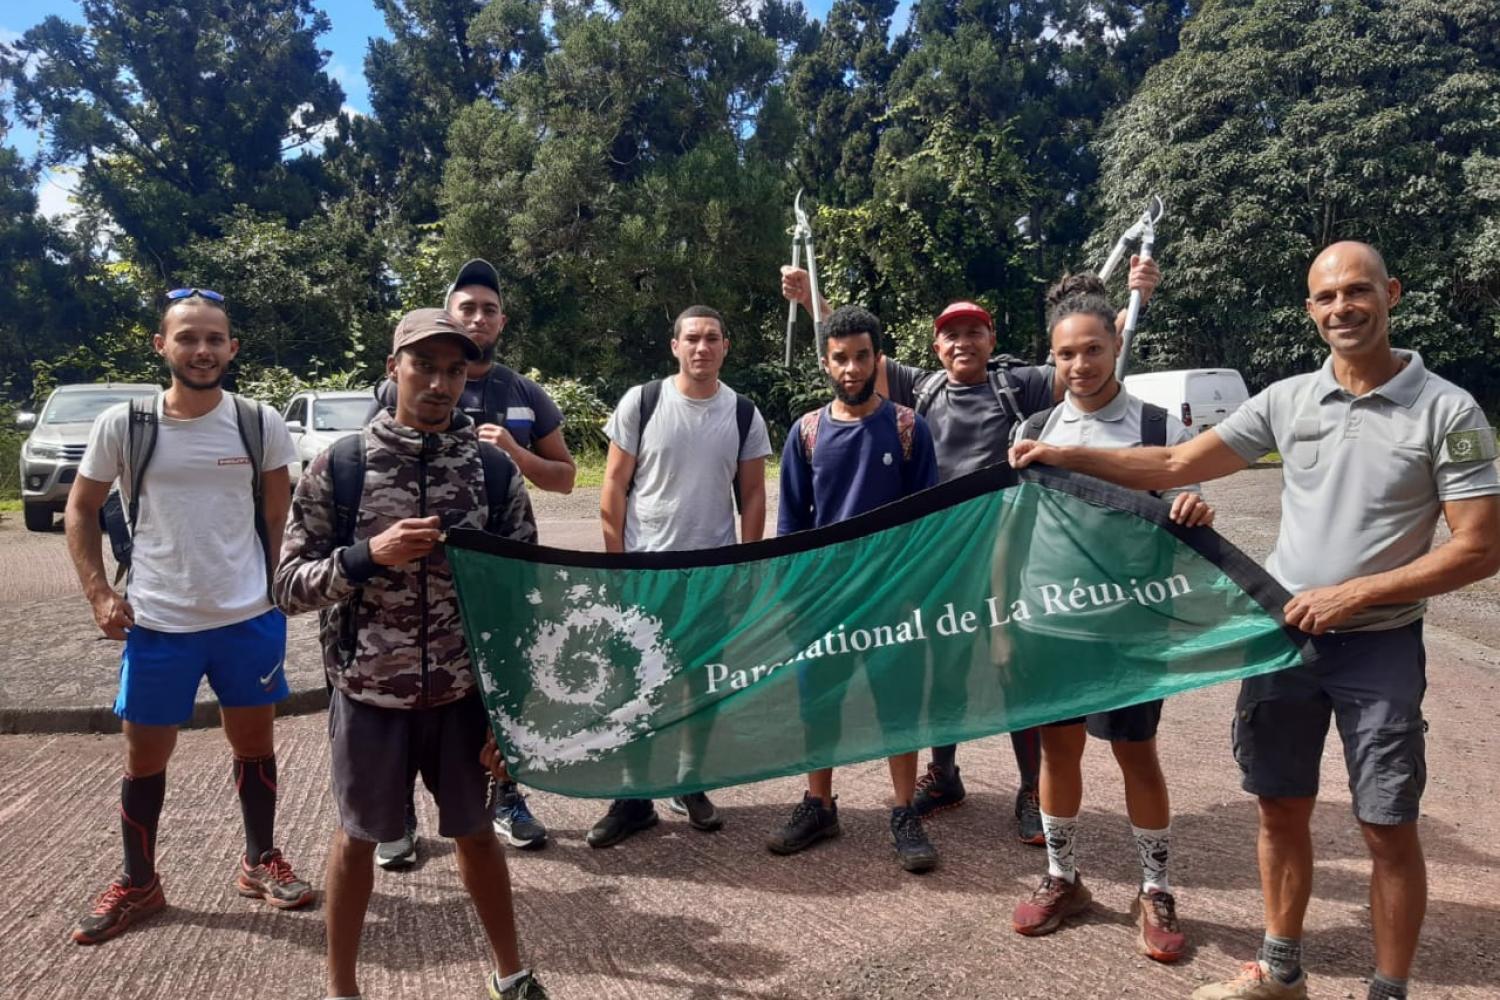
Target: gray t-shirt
x=1364 y=479
x=1117 y=424
x=970 y=429
x=684 y=470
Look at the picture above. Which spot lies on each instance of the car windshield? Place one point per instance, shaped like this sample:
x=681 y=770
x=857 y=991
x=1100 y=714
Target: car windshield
x=83 y=407
x=340 y=414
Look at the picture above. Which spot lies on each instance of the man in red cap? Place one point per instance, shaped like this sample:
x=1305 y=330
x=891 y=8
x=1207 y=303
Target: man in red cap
x=971 y=405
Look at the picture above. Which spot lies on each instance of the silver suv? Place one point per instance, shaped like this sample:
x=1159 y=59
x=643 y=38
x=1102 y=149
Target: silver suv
x=50 y=456
x=316 y=418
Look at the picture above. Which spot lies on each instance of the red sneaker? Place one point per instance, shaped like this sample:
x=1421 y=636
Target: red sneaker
x=117 y=908
x=274 y=881
x=1054 y=901
x=1161 y=936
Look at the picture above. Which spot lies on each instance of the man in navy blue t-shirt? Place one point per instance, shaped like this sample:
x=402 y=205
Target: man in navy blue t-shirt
x=859 y=452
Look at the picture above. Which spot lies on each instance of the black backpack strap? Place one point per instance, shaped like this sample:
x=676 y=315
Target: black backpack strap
x=346 y=467
x=926 y=390
x=650 y=397
x=1006 y=393
x=498 y=470
x=498 y=383
x=1153 y=426
x=250 y=421
x=1032 y=428
x=744 y=418
x=119 y=519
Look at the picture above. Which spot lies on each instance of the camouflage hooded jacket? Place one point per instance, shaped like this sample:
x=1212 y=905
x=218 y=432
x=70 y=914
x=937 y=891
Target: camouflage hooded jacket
x=392 y=636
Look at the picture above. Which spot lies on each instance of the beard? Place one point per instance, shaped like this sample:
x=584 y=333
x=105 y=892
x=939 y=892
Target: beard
x=487 y=353
x=857 y=398
x=196 y=380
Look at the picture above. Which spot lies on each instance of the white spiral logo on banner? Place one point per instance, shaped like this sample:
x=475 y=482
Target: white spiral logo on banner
x=569 y=662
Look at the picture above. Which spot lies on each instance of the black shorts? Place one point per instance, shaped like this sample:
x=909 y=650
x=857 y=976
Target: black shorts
x=1371 y=685
x=378 y=752
x=1132 y=724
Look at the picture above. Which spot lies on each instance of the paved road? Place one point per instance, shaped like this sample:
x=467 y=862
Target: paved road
x=674 y=914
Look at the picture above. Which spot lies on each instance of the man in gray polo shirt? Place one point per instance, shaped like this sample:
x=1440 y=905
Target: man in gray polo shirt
x=1374 y=447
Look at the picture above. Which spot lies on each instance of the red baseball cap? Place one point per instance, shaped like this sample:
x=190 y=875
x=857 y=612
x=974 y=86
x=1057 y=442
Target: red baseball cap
x=962 y=310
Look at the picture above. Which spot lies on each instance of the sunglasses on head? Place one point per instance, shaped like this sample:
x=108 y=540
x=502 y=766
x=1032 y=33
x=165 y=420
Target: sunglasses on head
x=177 y=294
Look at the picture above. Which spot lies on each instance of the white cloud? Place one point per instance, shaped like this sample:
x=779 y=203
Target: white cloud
x=9 y=36
x=55 y=195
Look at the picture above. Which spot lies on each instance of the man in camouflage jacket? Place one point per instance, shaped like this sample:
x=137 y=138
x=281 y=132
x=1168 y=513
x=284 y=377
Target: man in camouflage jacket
x=405 y=700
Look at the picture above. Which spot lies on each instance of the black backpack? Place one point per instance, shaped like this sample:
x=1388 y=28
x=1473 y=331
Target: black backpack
x=744 y=418
x=118 y=516
x=1007 y=393
x=1153 y=425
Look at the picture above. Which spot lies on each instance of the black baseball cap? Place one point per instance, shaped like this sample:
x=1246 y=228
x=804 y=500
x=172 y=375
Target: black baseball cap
x=475 y=272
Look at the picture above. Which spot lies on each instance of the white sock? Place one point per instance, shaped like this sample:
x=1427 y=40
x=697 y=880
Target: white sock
x=1154 y=846
x=1060 y=832
x=507 y=982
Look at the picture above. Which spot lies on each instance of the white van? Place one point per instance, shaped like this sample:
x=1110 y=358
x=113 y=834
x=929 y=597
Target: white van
x=1199 y=397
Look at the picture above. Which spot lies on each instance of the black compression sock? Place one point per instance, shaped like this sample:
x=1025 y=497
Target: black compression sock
x=1027 y=745
x=255 y=780
x=140 y=811
x=946 y=757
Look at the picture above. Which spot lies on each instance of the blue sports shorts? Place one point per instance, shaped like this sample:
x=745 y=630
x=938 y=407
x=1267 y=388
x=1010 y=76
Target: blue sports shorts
x=160 y=671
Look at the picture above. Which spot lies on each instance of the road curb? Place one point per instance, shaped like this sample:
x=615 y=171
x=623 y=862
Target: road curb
x=16 y=721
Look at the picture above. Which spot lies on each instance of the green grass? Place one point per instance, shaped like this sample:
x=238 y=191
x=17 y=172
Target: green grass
x=10 y=505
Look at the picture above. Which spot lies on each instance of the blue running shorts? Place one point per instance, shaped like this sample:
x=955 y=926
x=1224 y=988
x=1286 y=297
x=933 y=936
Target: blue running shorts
x=160 y=671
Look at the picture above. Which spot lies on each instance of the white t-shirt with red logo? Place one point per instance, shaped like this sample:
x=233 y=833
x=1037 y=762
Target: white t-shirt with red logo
x=196 y=562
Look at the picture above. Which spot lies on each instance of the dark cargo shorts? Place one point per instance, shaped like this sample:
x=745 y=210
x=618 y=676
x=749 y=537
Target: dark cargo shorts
x=1372 y=684
x=1132 y=724
x=378 y=752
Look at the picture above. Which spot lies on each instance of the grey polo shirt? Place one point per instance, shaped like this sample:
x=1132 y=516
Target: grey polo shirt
x=1117 y=424
x=1364 y=478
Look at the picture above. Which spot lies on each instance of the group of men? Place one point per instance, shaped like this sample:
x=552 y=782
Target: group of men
x=1374 y=448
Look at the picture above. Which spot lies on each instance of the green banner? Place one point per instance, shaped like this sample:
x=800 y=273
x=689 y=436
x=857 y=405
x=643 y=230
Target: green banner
x=982 y=606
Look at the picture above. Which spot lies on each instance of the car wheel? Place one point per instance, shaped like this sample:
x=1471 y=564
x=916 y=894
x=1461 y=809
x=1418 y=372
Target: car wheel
x=38 y=516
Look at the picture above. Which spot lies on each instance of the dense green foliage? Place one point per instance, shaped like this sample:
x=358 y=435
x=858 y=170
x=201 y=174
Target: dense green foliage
x=621 y=159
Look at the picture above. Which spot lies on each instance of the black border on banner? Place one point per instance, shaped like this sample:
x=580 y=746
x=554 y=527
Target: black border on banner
x=1249 y=575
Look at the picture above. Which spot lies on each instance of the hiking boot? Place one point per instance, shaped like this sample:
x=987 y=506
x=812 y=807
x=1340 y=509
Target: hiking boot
x=913 y=849
x=401 y=852
x=1161 y=936
x=513 y=820
x=1255 y=982
x=1054 y=901
x=527 y=989
x=937 y=790
x=625 y=817
x=699 y=810
x=274 y=881
x=810 y=823
x=119 y=907
x=1029 y=817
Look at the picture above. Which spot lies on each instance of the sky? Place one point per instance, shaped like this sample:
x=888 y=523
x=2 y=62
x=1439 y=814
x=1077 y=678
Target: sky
x=354 y=23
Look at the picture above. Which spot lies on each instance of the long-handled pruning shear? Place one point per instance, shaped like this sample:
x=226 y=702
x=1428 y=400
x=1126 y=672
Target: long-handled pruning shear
x=1144 y=230
x=802 y=235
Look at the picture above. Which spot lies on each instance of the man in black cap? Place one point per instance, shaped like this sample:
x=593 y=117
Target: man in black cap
x=516 y=415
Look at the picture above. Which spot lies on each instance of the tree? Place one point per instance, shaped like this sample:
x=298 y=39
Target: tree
x=174 y=114
x=1284 y=125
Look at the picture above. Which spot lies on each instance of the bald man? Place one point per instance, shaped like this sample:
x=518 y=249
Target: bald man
x=1374 y=447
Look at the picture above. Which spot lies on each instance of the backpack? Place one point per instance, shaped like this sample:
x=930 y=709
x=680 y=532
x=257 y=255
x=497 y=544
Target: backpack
x=346 y=467
x=906 y=426
x=118 y=516
x=1153 y=425
x=1007 y=394
x=744 y=418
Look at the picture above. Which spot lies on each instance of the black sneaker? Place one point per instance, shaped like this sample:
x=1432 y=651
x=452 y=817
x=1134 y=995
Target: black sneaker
x=810 y=823
x=699 y=810
x=1029 y=817
x=513 y=820
x=913 y=849
x=527 y=989
x=937 y=790
x=400 y=853
x=625 y=817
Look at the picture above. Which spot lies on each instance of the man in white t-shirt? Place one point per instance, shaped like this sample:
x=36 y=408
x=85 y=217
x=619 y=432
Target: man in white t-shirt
x=197 y=597
x=682 y=451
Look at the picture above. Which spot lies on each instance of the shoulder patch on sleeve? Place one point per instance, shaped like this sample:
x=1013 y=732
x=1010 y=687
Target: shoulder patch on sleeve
x=1470 y=446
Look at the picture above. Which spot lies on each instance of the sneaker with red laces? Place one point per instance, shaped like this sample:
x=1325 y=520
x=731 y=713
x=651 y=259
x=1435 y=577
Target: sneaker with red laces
x=1255 y=982
x=274 y=881
x=1161 y=936
x=1053 y=901
x=119 y=907
x=938 y=790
